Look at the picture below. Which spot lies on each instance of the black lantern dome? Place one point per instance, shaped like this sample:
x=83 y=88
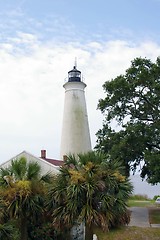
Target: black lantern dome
x=74 y=75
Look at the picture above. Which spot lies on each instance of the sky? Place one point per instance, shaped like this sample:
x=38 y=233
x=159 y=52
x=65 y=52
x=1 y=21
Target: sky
x=39 y=41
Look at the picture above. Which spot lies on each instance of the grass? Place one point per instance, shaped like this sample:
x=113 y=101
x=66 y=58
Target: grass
x=140 y=203
x=130 y=233
x=143 y=201
x=138 y=233
x=154 y=215
x=139 y=197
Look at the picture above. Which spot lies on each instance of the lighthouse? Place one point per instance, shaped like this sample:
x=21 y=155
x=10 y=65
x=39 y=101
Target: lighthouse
x=75 y=138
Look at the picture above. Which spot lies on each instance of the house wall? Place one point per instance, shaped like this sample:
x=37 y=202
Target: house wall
x=45 y=166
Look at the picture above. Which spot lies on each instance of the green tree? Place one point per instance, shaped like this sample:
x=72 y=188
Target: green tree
x=133 y=102
x=6 y=232
x=22 y=193
x=91 y=190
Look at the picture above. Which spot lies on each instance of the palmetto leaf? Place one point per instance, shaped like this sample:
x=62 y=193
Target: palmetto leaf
x=89 y=190
x=24 y=194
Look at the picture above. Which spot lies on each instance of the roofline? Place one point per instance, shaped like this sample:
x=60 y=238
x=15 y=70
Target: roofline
x=12 y=158
x=25 y=152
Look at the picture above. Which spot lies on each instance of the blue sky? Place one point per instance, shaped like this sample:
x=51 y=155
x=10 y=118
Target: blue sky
x=86 y=20
x=39 y=41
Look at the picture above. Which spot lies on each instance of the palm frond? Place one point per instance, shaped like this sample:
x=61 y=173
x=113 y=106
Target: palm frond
x=33 y=171
x=19 y=168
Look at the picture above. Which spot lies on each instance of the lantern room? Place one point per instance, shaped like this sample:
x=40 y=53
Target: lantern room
x=74 y=75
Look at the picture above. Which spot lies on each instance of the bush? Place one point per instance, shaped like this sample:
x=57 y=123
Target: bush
x=6 y=231
x=121 y=220
x=139 y=197
x=155 y=197
x=47 y=232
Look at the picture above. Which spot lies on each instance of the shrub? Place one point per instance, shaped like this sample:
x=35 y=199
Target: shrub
x=139 y=197
x=122 y=220
x=155 y=197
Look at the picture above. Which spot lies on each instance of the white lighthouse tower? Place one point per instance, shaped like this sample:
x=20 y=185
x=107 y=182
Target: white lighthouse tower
x=75 y=137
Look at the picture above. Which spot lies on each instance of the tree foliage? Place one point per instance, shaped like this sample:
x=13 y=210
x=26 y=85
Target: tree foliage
x=133 y=102
x=6 y=232
x=22 y=194
x=91 y=190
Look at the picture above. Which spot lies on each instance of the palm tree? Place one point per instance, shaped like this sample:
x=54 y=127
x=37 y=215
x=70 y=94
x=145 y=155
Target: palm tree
x=90 y=189
x=6 y=232
x=23 y=192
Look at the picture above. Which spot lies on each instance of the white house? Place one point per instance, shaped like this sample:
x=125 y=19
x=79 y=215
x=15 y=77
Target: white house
x=47 y=165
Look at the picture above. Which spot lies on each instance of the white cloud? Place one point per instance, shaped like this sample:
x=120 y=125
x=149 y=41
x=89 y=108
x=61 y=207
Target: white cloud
x=31 y=92
x=25 y=38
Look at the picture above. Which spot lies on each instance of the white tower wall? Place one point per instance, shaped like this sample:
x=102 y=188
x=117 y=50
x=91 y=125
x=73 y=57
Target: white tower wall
x=75 y=137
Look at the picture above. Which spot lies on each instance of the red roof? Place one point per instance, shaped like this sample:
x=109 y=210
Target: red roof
x=54 y=162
